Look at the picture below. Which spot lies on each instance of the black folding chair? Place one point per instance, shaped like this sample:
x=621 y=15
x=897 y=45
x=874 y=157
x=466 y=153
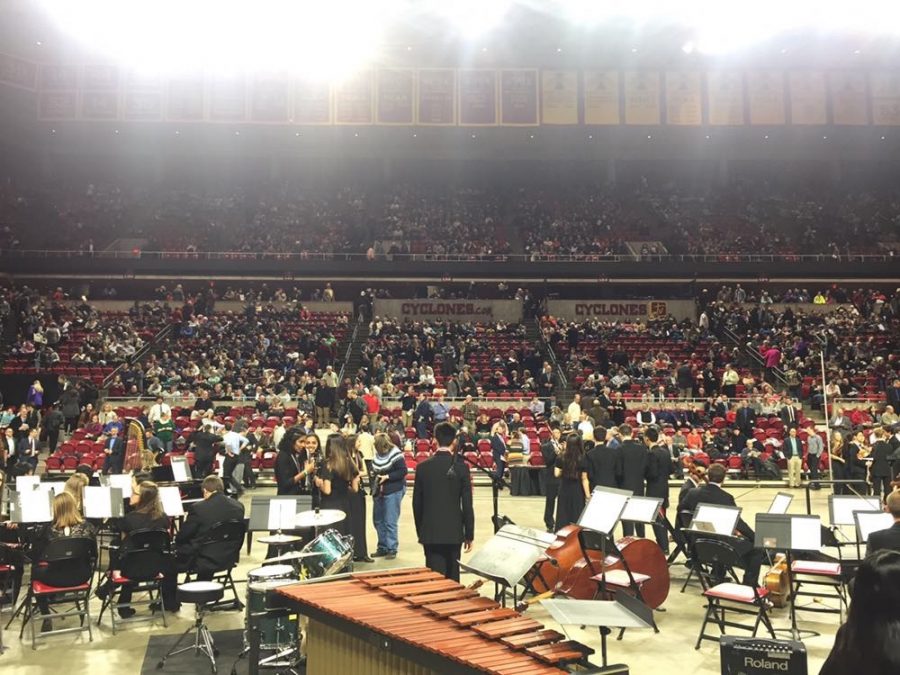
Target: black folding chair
x=218 y=553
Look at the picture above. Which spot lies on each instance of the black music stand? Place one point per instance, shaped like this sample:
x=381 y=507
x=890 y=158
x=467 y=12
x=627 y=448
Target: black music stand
x=259 y=512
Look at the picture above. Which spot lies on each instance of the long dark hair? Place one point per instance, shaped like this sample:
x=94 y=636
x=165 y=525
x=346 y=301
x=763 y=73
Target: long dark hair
x=338 y=457
x=149 y=501
x=572 y=456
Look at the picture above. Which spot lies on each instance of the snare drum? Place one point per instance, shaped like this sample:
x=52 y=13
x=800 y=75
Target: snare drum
x=279 y=630
x=270 y=572
x=334 y=552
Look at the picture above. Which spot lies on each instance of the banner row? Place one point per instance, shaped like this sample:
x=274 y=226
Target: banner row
x=451 y=97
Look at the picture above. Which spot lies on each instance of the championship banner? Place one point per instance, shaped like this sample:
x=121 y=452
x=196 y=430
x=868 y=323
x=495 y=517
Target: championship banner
x=453 y=311
x=849 y=99
x=642 y=98
x=436 y=97
x=353 y=98
x=269 y=98
x=808 y=95
x=312 y=102
x=395 y=96
x=477 y=98
x=559 y=97
x=17 y=72
x=621 y=310
x=518 y=98
x=601 y=97
x=885 y=89
x=684 y=103
x=227 y=100
x=765 y=90
x=142 y=105
x=725 y=98
x=184 y=102
x=57 y=105
x=99 y=105
x=59 y=77
x=100 y=77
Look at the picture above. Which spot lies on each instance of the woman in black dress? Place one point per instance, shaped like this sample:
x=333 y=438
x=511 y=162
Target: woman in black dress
x=338 y=480
x=574 y=488
x=358 y=504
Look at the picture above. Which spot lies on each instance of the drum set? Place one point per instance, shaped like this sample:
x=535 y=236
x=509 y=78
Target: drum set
x=328 y=553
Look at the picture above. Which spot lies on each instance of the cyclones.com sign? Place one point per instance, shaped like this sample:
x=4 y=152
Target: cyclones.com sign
x=438 y=309
x=634 y=310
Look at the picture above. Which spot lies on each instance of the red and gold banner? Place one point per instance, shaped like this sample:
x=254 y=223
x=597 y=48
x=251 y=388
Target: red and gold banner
x=477 y=98
x=765 y=91
x=885 y=89
x=100 y=77
x=18 y=72
x=142 y=105
x=518 y=98
x=57 y=105
x=849 y=99
x=312 y=102
x=227 y=99
x=58 y=77
x=353 y=99
x=808 y=96
x=725 y=98
x=642 y=98
x=601 y=97
x=184 y=102
x=559 y=97
x=395 y=97
x=684 y=103
x=99 y=105
x=269 y=98
x=436 y=97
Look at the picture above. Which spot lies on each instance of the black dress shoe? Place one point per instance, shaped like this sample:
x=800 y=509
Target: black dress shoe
x=364 y=559
x=127 y=612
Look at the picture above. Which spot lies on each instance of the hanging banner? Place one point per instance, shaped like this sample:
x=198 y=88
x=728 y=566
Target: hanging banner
x=518 y=98
x=57 y=105
x=100 y=77
x=99 y=105
x=436 y=97
x=395 y=94
x=885 y=88
x=621 y=310
x=353 y=98
x=807 y=89
x=601 y=97
x=227 y=99
x=765 y=90
x=642 y=98
x=58 y=77
x=184 y=102
x=849 y=99
x=477 y=98
x=312 y=102
x=17 y=72
x=684 y=103
x=559 y=97
x=142 y=105
x=725 y=98
x=269 y=98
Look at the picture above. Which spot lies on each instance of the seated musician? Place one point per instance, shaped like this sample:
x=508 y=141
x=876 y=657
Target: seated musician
x=215 y=508
x=75 y=486
x=713 y=493
x=146 y=514
x=889 y=538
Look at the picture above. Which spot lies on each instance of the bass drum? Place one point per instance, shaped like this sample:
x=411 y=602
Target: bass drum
x=333 y=553
x=278 y=629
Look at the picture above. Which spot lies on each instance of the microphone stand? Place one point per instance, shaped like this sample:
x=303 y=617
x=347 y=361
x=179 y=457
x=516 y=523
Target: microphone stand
x=497 y=484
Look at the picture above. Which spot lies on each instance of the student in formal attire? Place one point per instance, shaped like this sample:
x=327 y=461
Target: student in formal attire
x=634 y=470
x=793 y=452
x=855 y=451
x=550 y=450
x=29 y=447
x=880 y=469
x=814 y=448
x=114 y=449
x=499 y=449
x=358 y=518
x=203 y=442
x=838 y=464
x=696 y=477
x=659 y=467
x=867 y=642
x=574 y=488
x=713 y=493
x=889 y=538
x=338 y=480
x=388 y=488
x=442 y=505
x=292 y=465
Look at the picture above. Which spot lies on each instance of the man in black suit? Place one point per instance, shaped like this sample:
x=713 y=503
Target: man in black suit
x=745 y=419
x=889 y=538
x=28 y=449
x=204 y=452
x=713 y=493
x=442 y=505
x=550 y=450
x=789 y=414
x=114 y=448
x=604 y=462
x=634 y=469
x=659 y=466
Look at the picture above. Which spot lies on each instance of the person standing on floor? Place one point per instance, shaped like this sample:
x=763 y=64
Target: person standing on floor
x=634 y=469
x=659 y=468
x=442 y=505
x=388 y=489
x=574 y=488
x=338 y=481
x=550 y=450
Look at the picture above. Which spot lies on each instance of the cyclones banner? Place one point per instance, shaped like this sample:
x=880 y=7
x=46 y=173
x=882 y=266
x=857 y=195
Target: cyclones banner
x=621 y=310
x=458 y=311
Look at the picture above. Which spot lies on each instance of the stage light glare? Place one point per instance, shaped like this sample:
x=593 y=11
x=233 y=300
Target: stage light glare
x=470 y=18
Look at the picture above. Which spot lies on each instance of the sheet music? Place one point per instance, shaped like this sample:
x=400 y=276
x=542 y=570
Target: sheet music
x=781 y=503
x=869 y=522
x=282 y=514
x=641 y=509
x=843 y=507
x=34 y=507
x=98 y=502
x=171 y=500
x=52 y=487
x=722 y=518
x=24 y=483
x=121 y=481
x=603 y=510
x=806 y=533
x=180 y=473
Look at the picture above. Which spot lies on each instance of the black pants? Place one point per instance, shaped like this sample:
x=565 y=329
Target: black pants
x=629 y=529
x=550 y=503
x=661 y=533
x=52 y=440
x=249 y=476
x=113 y=464
x=443 y=558
x=751 y=560
x=203 y=465
x=881 y=484
x=812 y=463
x=228 y=473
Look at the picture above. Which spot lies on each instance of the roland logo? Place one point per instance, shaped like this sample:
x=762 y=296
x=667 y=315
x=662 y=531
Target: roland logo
x=765 y=664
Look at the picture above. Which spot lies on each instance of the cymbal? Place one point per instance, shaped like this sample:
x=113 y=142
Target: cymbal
x=293 y=555
x=279 y=539
x=319 y=518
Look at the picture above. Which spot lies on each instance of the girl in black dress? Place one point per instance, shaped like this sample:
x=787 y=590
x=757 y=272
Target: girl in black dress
x=574 y=488
x=338 y=480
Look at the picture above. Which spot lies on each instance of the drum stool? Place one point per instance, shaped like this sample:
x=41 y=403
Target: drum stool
x=200 y=594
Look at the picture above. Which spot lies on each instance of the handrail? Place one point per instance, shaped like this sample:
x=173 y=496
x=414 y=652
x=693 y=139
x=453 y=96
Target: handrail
x=139 y=354
x=753 y=354
x=564 y=381
x=350 y=344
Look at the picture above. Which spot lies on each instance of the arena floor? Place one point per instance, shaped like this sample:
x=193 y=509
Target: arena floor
x=641 y=650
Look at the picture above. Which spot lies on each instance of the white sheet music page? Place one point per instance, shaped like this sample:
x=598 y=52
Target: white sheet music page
x=806 y=534
x=282 y=513
x=35 y=506
x=24 y=483
x=97 y=502
x=170 y=497
x=603 y=510
x=180 y=470
x=722 y=518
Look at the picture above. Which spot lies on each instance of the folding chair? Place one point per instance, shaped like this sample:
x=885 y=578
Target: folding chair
x=218 y=552
x=828 y=578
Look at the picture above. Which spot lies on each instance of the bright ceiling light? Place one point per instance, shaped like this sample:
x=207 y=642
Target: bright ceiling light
x=471 y=18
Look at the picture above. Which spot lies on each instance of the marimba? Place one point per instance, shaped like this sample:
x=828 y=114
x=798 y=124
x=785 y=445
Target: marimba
x=414 y=622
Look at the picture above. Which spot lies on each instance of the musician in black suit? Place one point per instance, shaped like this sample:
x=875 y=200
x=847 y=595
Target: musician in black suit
x=114 y=447
x=713 y=493
x=659 y=466
x=204 y=441
x=889 y=538
x=442 y=505
x=550 y=450
x=634 y=469
x=604 y=462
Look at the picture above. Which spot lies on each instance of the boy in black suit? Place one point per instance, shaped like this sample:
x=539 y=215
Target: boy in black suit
x=442 y=505
x=634 y=469
x=889 y=538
